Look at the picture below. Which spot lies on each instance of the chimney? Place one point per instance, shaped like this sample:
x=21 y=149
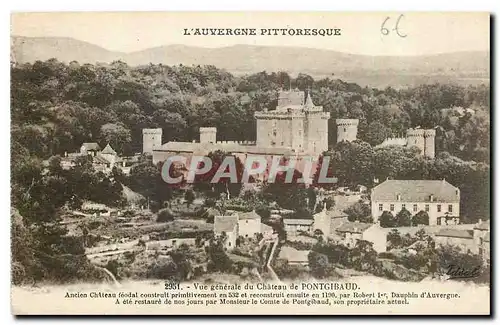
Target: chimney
x=431 y=198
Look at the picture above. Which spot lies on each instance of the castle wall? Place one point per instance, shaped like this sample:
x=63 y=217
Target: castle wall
x=316 y=131
x=275 y=132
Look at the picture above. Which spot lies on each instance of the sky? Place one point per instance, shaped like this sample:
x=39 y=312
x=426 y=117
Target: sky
x=361 y=33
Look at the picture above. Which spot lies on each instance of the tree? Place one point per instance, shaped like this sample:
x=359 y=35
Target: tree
x=318 y=263
x=189 y=197
x=394 y=239
x=165 y=215
x=421 y=218
x=387 y=220
x=359 y=211
x=403 y=218
x=117 y=135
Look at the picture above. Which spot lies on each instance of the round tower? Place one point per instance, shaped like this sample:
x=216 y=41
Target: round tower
x=151 y=140
x=415 y=137
x=347 y=129
x=429 y=139
x=208 y=135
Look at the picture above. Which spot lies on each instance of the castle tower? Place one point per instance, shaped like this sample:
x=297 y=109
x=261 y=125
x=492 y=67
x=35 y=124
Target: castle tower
x=430 y=146
x=347 y=129
x=151 y=140
x=208 y=135
x=415 y=137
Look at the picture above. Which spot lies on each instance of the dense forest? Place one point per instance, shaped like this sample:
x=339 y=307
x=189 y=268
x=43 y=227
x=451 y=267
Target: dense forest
x=55 y=107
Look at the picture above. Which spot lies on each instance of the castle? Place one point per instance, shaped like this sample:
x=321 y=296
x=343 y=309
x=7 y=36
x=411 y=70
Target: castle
x=296 y=127
x=420 y=138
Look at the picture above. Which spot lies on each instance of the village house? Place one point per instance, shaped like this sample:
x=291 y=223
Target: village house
x=292 y=226
x=249 y=223
x=438 y=198
x=90 y=148
x=266 y=231
x=475 y=240
x=294 y=256
x=328 y=220
x=227 y=225
x=482 y=239
x=461 y=238
x=351 y=232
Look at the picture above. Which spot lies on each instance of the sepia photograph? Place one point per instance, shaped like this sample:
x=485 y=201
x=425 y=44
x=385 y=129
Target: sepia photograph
x=250 y=163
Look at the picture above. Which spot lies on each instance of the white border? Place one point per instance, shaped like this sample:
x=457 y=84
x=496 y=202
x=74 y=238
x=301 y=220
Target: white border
x=212 y=5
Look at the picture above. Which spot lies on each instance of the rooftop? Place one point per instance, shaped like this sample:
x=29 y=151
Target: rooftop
x=225 y=223
x=457 y=233
x=416 y=191
x=91 y=146
x=108 y=150
x=248 y=215
x=482 y=225
x=293 y=255
x=298 y=221
x=354 y=227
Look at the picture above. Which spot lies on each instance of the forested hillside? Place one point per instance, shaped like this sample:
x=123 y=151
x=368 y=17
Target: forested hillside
x=56 y=107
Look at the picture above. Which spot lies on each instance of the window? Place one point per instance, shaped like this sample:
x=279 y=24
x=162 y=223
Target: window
x=380 y=207
x=229 y=244
x=345 y=130
x=403 y=206
x=450 y=208
x=439 y=221
x=439 y=207
x=392 y=207
x=426 y=208
x=246 y=221
x=415 y=208
x=274 y=132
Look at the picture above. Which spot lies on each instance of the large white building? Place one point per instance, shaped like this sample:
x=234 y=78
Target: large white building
x=438 y=198
x=249 y=224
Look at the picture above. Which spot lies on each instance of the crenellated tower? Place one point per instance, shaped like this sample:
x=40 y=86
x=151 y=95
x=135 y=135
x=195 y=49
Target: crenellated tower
x=347 y=129
x=151 y=140
x=208 y=135
x=430 y=143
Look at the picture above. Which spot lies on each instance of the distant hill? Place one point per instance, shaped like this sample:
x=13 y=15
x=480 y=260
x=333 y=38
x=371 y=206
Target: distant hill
x=468 y=67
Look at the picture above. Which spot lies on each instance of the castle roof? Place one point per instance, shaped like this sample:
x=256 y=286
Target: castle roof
x=205 y=148
x=416 y=191
x=457 y=233
x=225 y=223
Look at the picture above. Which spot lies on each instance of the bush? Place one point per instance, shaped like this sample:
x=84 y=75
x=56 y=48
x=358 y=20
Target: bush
x=165 y=215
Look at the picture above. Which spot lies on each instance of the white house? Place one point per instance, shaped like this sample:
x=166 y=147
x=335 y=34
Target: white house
x=249 y=224
x=90 y=148
x=292 y=226
x=351 y=232
x=438 y=198
x=328 y=220
x=229 y=226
